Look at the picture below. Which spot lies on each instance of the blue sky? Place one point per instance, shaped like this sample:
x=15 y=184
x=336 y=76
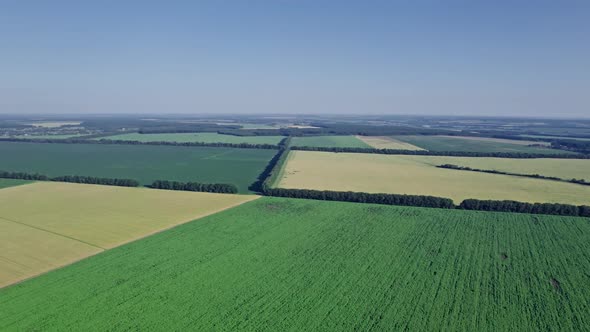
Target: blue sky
x=521 y=58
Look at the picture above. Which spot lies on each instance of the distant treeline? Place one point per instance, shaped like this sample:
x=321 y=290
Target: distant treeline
x=493 y=171
x=127 y=142
x=195 y=186
x=337 y=129
x=189 y=128
x=571 y=145
x=70 y=178
x=519 y=155
x=115 y=124
x=522 y=207
x=192 y=144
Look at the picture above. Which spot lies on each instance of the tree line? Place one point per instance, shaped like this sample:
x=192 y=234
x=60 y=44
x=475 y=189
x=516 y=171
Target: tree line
x=362 y=197
x=159 y=184
x=272 y=171
x=127 y=142
x=523 y=207
x=493 y=171
x=518 y=155
x=266 y=176
x=70 y=178
x=572 y=145
x=195 y=186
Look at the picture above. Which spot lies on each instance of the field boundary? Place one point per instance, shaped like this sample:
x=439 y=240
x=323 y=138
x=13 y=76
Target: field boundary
x=533 y=176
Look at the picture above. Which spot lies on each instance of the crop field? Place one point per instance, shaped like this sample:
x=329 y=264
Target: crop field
x=417 y=175
x=285 y=264
x=197 y=137
x=385 y=142
x=475 y=144
x=5 y=183
x=330 y=142
x=240 y=167
x=48 y=224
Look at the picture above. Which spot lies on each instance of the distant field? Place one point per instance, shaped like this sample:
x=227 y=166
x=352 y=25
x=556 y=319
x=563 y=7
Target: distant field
x=240 y=167
x=5 y=183
x=251 y=125
x=299 y=265
x=475 y=144
x=54 y=124
x=197 y=137
x=418 y=175
x=329 y=142
x=48 y=224
x=384 y=142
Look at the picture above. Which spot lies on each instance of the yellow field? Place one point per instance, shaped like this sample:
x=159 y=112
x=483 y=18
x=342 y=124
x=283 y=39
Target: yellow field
x=384 y=142
x=44 y=225
x=416 y=175
x=561 y=168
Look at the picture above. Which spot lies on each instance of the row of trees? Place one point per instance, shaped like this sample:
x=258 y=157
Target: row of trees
x=493 y=171
x=269 y=174
x=361 y=197
x=23 y=176
x=195 y=186
x=96 y=180
x=70 y=178
x=126 y=142
x=520 y=155
x=523 y=207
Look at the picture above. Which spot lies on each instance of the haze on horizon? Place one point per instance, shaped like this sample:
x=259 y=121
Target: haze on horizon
x=493 y=58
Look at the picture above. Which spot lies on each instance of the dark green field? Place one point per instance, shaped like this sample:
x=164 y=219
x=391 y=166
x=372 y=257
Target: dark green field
x=140 y=162
x=279 y=264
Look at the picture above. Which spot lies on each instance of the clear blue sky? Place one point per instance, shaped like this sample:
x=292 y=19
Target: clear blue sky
x=522 y=58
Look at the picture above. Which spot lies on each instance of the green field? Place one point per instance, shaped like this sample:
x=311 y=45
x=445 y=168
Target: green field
x=329 y=142
x=418 y=175
x=197 y=137
x=475 y=144
x=240 y=167
x=298 y=265
x=5 y=183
